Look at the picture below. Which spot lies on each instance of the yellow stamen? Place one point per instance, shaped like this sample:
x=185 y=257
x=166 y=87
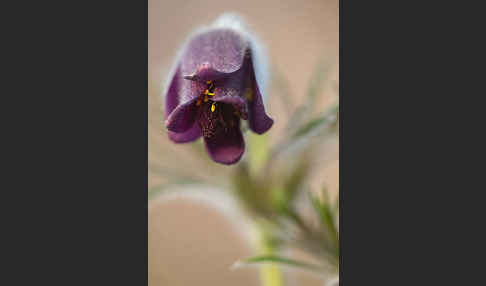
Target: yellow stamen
x=206 y=91
x=213 y=107
x=211 y=93
x=208 y=82
x=206 y=98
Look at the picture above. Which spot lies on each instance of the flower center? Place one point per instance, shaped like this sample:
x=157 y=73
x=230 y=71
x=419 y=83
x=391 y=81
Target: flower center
x=213 y=117
x=207 y=93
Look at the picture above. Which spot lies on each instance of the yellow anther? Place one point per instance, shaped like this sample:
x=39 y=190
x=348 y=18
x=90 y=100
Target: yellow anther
x=213 y=107
x=206 y=98
x=198 y=102
x=208 y=82
x=211 y=93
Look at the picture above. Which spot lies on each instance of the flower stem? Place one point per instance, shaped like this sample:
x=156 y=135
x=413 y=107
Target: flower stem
x=270 y=274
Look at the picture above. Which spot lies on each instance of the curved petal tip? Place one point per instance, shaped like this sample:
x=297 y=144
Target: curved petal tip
x=226 y=147
x=182 y=118
x=185 y=137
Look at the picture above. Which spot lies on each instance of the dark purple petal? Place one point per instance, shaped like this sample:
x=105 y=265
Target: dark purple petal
x=172 y=96
x=180 y=90
x=190 y=135
x=189 y=89
x=183 y=117
x=226 y=147
x=172 y=100
x=214 y=52
x=259 y=122
x=237 y=102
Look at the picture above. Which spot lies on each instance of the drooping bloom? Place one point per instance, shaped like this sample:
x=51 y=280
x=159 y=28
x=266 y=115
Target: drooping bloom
x=218 y=80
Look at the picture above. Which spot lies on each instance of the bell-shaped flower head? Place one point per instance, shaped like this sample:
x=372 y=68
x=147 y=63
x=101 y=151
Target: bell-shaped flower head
x=216 y=82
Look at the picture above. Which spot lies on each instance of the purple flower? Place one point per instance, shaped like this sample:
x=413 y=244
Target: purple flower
x=214 y=85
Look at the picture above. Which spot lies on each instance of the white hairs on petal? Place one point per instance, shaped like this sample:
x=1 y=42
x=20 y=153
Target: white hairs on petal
x=235 y=22
x=231 y=21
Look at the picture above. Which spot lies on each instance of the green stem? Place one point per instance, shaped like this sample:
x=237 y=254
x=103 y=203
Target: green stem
x=270 y=274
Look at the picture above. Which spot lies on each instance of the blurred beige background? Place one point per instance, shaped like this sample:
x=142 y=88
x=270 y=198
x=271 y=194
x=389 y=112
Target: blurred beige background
x=192 y=243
